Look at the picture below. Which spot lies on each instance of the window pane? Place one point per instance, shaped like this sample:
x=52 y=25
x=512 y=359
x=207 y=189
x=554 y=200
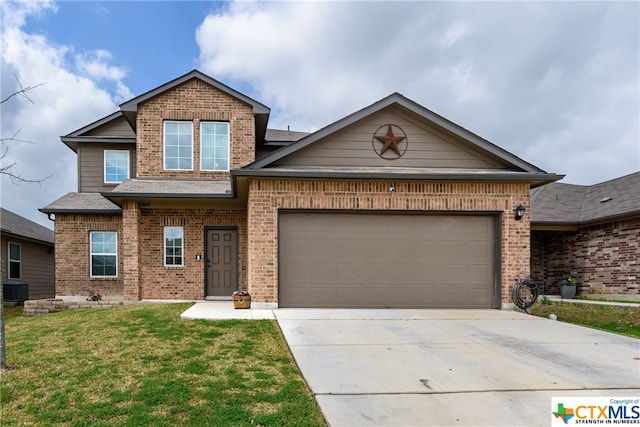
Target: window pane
x=171 y=127
x=14 y=270
x=14 y=251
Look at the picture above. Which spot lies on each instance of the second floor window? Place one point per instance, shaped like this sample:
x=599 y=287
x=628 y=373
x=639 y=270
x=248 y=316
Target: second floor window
x=116 y=166
x=178 y=145
x=214 y=146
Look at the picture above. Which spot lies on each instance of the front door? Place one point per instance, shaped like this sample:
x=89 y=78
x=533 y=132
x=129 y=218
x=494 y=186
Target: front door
x=222 y=262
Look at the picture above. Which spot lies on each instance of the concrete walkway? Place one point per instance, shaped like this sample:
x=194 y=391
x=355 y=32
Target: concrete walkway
x=448 y=367
x=220 y=310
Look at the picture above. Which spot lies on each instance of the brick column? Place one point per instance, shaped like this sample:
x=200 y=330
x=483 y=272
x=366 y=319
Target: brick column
x=130 y=250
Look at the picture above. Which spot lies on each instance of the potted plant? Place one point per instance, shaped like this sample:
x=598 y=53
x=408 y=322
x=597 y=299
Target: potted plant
x=567 y=286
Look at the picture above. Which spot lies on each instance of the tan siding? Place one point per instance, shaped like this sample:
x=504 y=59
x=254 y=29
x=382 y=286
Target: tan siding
x=427 y=147
x=37 y=266
x=118 y=127
x=91 y=164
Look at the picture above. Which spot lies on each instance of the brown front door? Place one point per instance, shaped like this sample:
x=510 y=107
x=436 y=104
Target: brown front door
x=222 y=262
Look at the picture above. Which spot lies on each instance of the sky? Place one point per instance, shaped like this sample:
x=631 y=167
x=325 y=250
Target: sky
x=555 y=83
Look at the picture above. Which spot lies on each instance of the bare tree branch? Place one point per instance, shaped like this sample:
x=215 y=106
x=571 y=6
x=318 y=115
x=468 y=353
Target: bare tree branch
x=8 y=170
x=22 y=92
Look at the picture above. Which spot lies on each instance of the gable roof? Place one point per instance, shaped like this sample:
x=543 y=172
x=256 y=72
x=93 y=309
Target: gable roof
x=525 y=170
x=260 y=111
x=567 y=204
x=16 y=225
x=83 y=134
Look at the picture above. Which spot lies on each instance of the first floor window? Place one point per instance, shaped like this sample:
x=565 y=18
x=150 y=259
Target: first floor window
x=173 y=246
x=15 y=261
x=116 y=166
x=104 y=253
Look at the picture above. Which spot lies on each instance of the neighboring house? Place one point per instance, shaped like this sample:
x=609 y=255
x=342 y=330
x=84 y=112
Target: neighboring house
x=26 y=254
x=185 y=194
x=592 y=232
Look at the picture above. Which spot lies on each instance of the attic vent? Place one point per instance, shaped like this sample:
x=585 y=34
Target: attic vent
x=605 y=200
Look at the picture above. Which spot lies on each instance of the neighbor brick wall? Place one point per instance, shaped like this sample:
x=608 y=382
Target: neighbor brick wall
x=188 y=282
x=603 y=258
x=195 y=101
x=267 y=196
x=72 y=254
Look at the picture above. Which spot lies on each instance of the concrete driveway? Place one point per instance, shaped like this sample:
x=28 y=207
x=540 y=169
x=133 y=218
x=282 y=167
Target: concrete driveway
x=452 y=367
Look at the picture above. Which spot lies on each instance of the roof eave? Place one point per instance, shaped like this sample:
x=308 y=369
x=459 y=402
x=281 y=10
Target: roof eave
x=586 y=223
x=73 y=141
x=114 y=211
x=9 y=233
x=131 y=196
x=537 y=178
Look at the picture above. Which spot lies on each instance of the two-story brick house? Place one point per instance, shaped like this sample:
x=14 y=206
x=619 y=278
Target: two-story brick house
x=185 y=194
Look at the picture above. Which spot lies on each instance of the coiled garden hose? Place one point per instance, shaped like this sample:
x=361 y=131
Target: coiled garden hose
x=525 y=294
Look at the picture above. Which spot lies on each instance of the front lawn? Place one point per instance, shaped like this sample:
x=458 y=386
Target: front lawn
x=142 y=365
x=618 y=319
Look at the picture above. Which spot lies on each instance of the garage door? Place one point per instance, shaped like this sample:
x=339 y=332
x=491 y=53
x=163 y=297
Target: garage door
x=386 y=261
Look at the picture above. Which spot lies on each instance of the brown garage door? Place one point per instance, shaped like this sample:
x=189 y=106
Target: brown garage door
x=386 y=260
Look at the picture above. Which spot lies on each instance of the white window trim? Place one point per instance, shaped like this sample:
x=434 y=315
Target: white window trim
x=91 y=275
x=164 y=244
x=19 y=261
x=228 y=147
x=105 y=165
x=164 y=144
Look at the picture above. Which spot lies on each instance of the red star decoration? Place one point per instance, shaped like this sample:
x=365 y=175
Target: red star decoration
x=390 y=141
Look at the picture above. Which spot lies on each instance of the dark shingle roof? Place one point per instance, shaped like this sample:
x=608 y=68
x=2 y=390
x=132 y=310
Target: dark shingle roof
x=82 y=203
x=171 y=187
x=580 y=204
x=278 y=135
x=12 y=223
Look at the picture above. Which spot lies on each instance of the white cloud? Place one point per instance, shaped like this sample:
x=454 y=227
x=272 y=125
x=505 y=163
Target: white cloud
x=556 y=83
x=66 y=101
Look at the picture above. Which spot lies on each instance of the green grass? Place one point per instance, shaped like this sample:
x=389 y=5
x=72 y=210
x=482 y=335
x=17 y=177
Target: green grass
x=616 y=319
x=142 y=365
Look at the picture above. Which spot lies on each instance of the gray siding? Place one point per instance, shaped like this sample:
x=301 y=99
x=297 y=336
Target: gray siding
x=427 y=147
x=37 y=266
x=118 y=127
x=91 y=166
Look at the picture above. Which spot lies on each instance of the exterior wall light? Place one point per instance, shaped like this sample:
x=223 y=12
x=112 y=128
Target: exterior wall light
x=519 y=210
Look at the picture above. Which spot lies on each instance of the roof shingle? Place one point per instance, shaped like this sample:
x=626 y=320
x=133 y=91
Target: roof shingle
x=580 y=204
x=15 y=224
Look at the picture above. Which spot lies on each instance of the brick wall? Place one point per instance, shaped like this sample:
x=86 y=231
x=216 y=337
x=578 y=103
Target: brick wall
x=141 y=270
x=188 y=282
x=603 y=258
x=72 y=254
x=266 y=197
x=194 y=101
